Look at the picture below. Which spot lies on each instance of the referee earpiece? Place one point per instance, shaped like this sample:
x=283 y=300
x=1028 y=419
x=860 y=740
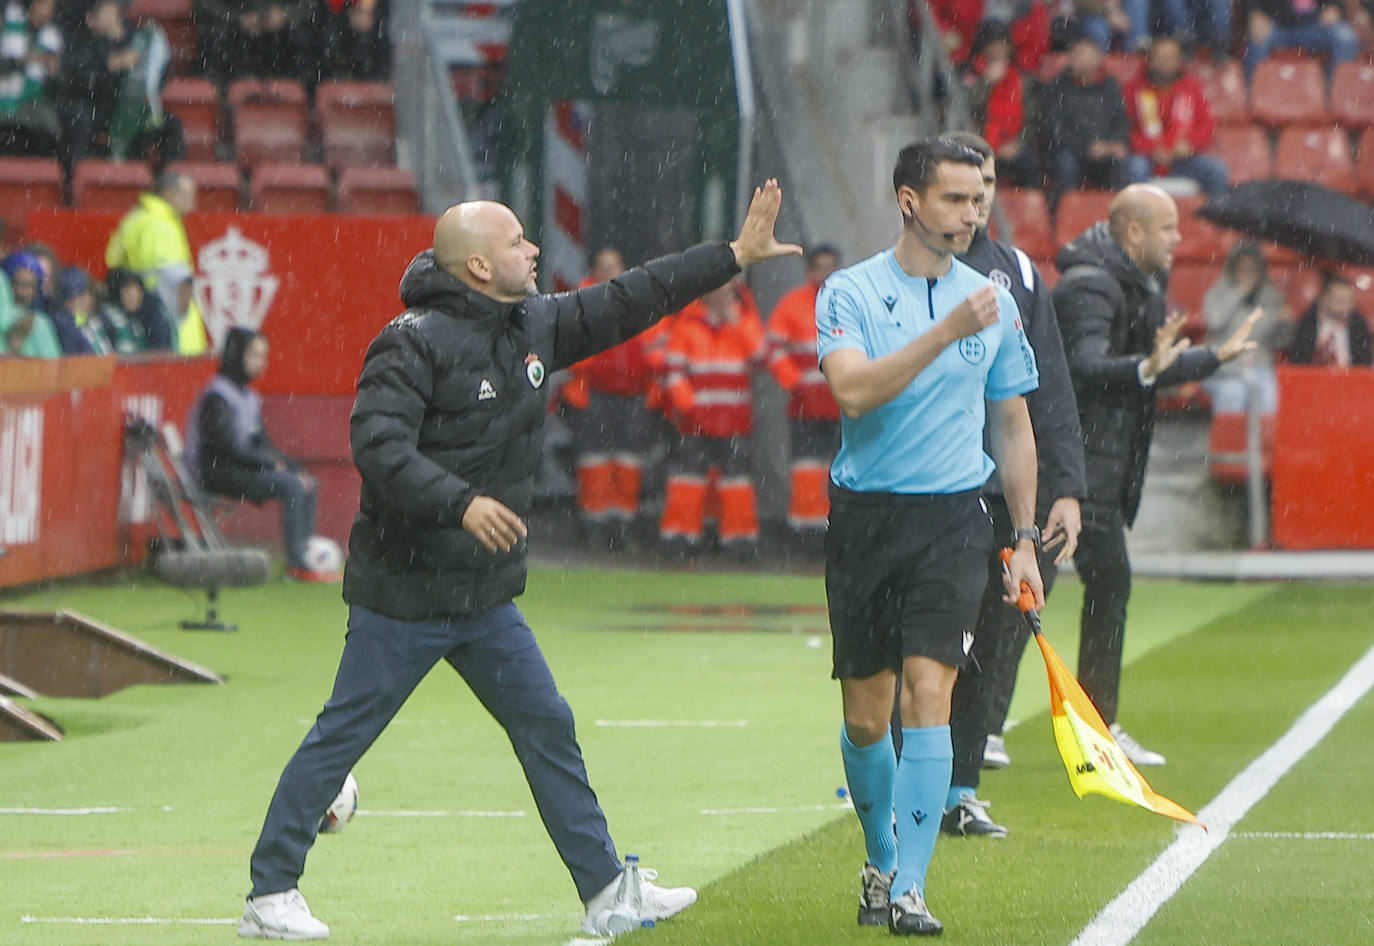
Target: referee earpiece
x=909 y=210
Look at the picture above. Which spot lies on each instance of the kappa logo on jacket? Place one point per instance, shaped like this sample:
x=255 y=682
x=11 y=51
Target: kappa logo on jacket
x=485 y=392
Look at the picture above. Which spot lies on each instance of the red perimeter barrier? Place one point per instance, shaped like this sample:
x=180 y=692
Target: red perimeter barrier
x=1323 y=472
x=321 y=286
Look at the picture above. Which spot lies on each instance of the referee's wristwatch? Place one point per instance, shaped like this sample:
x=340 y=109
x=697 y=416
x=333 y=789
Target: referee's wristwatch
x=1029 y=532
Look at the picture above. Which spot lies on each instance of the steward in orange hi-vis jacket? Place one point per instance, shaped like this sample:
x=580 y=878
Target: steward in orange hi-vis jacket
x=713 y=347
x=813 y=417
x=613 y=428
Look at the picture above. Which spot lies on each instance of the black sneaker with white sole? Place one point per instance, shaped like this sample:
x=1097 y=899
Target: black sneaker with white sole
x=909 y=916
x=874 y=896
x=970 y=819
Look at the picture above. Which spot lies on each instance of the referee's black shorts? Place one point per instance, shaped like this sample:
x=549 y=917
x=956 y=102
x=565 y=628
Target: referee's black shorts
x=904 y=577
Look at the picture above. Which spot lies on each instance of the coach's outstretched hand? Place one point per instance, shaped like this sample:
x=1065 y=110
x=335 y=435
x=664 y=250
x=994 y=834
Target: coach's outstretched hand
x=756 y=241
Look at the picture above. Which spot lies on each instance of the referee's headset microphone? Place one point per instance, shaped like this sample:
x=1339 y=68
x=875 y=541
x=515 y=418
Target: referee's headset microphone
x=909 y=210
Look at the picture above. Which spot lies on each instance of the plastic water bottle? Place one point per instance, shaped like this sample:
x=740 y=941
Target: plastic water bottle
x=629 y=899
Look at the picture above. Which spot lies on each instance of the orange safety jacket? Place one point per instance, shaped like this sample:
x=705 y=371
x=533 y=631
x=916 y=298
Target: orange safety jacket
x=792 y=337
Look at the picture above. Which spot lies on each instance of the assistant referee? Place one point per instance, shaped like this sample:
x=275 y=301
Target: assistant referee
x=912 y=342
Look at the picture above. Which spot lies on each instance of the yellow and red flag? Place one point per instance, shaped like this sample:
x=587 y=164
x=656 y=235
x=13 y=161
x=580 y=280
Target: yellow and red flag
x=1094 y=761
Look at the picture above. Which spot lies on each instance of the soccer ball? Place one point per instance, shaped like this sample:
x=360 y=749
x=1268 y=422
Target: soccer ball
x=322 y=554
x=341 y=810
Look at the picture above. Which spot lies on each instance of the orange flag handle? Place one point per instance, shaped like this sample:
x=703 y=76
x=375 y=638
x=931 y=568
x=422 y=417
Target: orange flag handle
x=1026 y=599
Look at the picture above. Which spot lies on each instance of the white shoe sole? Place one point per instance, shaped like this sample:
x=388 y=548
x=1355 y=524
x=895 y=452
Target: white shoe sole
x=249 y=929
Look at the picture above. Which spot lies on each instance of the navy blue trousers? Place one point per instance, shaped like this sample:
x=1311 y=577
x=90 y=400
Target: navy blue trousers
x=383 y=661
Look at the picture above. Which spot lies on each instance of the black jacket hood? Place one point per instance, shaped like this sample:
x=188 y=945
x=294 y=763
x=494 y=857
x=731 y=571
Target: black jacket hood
x=236 y=344
x=426 y=285
x=1095 y=246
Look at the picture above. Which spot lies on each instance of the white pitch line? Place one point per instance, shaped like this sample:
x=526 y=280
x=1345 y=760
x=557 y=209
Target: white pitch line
x=505 y=917
x=101 y=810
x=128 y=920
x=672 y=723
x=843 y=806
x=1302 y=836
x=1124 y=917
x=461 y=813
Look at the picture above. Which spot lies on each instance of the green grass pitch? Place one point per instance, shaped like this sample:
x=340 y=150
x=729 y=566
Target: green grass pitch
x=694 y=693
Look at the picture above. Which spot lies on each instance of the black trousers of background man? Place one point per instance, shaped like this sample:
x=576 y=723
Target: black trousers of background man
x=1105 y=571
x=983 y=691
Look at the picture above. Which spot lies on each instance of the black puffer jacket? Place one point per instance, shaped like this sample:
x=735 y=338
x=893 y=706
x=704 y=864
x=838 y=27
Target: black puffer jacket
x=1108 y=314
x=451 y=405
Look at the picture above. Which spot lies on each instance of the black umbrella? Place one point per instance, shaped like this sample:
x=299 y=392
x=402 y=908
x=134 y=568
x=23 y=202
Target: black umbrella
x=1306 y=217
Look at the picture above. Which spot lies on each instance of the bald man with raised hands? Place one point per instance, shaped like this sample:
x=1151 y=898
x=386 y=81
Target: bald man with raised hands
x=446 y=432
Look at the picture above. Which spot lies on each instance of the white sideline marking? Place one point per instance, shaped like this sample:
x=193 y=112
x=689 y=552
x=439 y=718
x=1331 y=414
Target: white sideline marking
x=462 y=813
x=1124 y=917
x=842 y=806
x=102 y=810
x=505 y=917
x=128 y=920
x=672 y=723
x=1303 y=836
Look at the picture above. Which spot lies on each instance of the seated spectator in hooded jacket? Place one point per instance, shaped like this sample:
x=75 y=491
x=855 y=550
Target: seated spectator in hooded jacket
x=134 y=317
x=1318 y=27
x=1084 y=117
x=1243 y=287
x=28 y=332
x=229 y=453
x=1332 y=333
x=1000 y=101
x=1171 y=123
x=79 y=328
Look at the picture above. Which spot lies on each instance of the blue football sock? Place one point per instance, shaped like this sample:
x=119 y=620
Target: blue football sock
x=870 y=771
x=956 y=795
x=922 y=782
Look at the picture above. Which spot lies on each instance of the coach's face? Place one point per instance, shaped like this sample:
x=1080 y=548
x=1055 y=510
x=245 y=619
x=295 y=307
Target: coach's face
x=989 y=172
x=511 y=259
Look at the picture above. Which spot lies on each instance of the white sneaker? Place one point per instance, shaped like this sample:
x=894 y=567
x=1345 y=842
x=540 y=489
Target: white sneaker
x=1137 y=753
x=995 y=755
x=656 y=903
x=282 y=915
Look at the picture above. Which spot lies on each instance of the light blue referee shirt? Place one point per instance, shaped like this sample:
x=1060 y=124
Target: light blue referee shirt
x=929 y=438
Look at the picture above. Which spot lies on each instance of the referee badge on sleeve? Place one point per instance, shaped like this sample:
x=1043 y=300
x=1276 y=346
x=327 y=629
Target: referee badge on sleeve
x=534 y=370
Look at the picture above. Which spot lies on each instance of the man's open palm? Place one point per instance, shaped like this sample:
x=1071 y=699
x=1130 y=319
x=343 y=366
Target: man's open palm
x=756 y=241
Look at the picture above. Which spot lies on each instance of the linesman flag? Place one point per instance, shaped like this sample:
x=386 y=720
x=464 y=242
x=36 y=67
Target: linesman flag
x=1093 y=760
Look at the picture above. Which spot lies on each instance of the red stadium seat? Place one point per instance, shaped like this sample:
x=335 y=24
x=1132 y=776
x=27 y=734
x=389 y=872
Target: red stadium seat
x=357 y=123
x=196 y=103
x=1226 y=444
x=1224 y=87
x=1188 y=283
x=377 y=191
x=1364 y=168
x=1028 y=217
x=1245 y=149
x=1203 y=241
x=27 y=184
x=109 y=185
x=1320 y=155
x=1286 y=93
x=1077 y=211
x=270 y=120
x=219 y=189
x=1352 y=94
x=1048 y=272
x=289 y=189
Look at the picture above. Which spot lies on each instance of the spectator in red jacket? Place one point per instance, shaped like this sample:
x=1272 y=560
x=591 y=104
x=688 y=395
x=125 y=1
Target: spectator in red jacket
x=1171 y=123
x=959 y=20
x=999 y=101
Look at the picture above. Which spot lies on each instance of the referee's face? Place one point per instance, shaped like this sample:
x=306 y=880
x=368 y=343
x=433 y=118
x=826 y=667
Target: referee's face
x=951 y=208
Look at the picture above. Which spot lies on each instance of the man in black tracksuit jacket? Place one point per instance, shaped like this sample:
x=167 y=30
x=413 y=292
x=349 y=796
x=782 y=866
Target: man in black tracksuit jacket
x=981 y=697
x=446 y=432
x=1121 y=347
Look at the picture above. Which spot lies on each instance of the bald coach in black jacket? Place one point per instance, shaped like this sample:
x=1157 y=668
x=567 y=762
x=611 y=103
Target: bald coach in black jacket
x=446 y=432
x=1122 y=346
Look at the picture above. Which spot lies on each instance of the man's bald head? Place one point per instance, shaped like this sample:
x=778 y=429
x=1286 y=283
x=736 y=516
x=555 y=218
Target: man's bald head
x=482 y=243
x=1144 y=221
